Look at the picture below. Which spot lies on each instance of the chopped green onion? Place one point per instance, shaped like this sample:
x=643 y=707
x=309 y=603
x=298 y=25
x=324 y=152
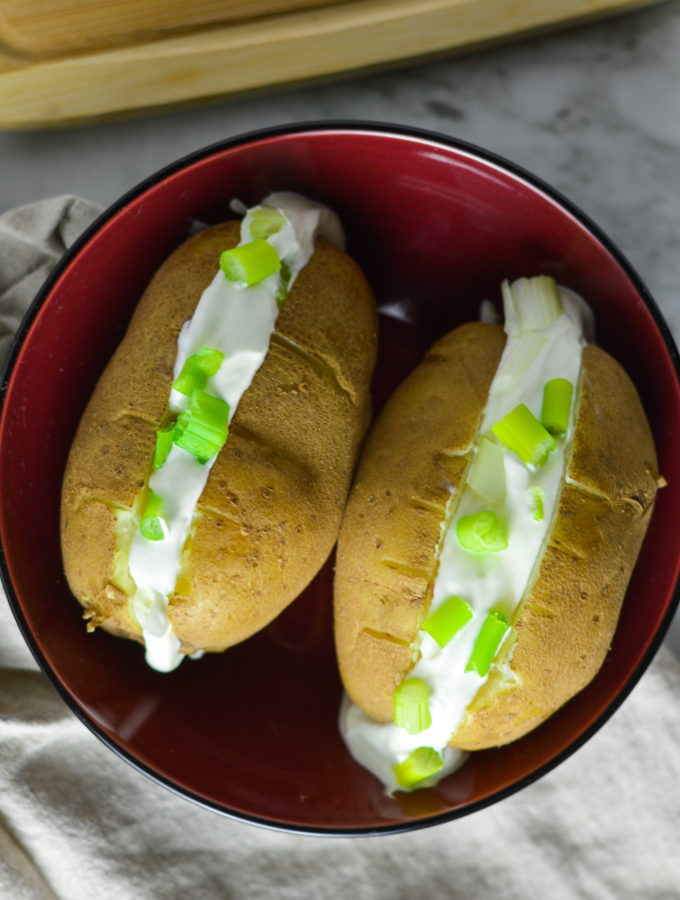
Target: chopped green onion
x=197 y=369
x=153 y=525
x=163 y=445
x=446 y=621
x=250 y=263
x=487 y=643
x=536 y=495
x=481 y=532
x=522 y=433
x=202 y=428
x=556 y=405
x=282 y=292
x=264 y=221
x=417 y=766
x=411 y=709
x=487 y=475
x=530 y=304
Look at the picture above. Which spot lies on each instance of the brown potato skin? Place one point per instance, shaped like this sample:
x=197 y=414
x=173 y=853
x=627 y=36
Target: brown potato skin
x=270 y=512
x=389 y=541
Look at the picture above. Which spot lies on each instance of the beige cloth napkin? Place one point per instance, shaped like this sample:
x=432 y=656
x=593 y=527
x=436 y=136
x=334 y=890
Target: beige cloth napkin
x=77 y=823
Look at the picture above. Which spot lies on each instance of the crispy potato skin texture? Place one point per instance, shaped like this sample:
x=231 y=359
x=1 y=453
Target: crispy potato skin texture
x=563 y=628
x=270 y=512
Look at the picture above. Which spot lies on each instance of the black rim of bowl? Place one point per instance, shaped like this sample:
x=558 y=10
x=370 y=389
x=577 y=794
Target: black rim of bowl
x=357 y=127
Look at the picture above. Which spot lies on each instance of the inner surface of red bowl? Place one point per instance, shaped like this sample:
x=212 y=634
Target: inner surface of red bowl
x=436 y=225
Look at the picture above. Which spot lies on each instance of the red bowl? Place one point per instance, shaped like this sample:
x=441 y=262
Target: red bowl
x=436 y=225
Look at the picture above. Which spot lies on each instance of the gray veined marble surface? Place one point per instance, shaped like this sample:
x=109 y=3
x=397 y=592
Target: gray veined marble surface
x=594 y=110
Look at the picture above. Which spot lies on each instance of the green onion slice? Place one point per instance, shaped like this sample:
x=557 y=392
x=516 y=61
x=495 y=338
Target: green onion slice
x=481 y=532
x=556 y=405
x=530 y=304
x=202 y=428
x=264 y=221
x=250 y=263
x=153 y=525
x=197 y=369
x=446 y=621
x=284 y=281
x=487 y=475
x=163 y=445
x=521 y=432
x=417 y=766
x=487 y=643
x=536 y=496
x=411 y=709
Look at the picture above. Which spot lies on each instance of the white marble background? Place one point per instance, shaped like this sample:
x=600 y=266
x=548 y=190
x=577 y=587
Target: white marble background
x=593 y=110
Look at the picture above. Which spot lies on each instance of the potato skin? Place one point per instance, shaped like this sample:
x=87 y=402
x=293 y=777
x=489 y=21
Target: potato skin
x=385 y=572
x=269 y=514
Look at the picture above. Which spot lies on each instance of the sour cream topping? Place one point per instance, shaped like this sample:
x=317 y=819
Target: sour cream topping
x=238 y=321
x=490 y=581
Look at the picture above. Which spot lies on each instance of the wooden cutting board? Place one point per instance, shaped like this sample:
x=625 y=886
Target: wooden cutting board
x=63 y=61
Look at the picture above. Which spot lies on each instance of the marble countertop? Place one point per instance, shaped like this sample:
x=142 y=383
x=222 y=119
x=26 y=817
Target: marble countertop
x=594 y=110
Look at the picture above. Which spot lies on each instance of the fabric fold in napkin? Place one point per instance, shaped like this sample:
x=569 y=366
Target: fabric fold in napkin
x=78 y=823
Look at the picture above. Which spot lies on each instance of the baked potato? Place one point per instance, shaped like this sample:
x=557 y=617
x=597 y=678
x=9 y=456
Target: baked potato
x=268 y=514
x=406 y=508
